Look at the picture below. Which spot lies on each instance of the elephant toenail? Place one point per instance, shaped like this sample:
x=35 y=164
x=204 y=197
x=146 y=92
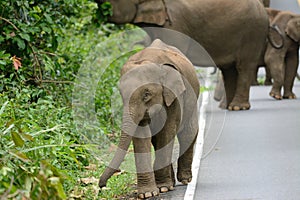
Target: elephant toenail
x=164 y=189
x=185 y=182
x=141 y=196
x=171 y=188
x=148 y=194
x=155 y=193
x=236 y=108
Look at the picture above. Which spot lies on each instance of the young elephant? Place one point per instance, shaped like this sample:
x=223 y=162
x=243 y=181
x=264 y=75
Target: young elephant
x=281 y=55
x=272 y=13
x=159 y=88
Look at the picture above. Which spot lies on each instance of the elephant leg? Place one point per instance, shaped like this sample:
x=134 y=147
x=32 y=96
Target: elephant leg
x=219 y=90
x=268 y=80
x=187 y=137
x=186 y=140
x=254 y=81
x=275 y=62
x=237 y=86
x=241 y=98
x=292 y=61
x=230 y=78
x=163 y=143
x=146 y=185
x=219 y=94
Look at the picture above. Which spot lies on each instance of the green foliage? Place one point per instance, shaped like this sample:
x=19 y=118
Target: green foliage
x=43 y=45
x=31 y=31
x=37 y=163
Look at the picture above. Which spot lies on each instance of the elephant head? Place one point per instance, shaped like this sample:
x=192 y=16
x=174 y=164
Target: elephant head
x=147 y=89
x=285 y=26
x=293 y=28
x=137 y=11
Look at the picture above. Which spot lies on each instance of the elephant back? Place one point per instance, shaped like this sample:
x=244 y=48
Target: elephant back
x=163 y=54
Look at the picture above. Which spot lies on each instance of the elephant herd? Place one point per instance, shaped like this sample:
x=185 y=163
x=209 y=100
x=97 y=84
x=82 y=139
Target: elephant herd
x=159 y=85
x=280 y=56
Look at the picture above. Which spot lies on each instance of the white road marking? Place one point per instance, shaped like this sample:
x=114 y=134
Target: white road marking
x=190 y=191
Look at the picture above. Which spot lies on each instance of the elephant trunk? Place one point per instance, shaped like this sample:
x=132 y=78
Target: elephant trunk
x=117 y=159
x=128 y=127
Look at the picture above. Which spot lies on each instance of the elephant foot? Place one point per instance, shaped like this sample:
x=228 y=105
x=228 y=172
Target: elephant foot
x=184 y=177
x=238 y=106
x=166 y=184
x=164 y=189
x=222 y=105
x=186 y=181
x=276 y=96
x=291 y=96
x=144 y=193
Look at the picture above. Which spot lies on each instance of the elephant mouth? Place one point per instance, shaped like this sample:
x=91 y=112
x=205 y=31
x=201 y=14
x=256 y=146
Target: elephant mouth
x=146 y=120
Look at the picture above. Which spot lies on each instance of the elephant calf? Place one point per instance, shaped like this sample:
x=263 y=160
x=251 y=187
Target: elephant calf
x=159 y=88
x=282 y=53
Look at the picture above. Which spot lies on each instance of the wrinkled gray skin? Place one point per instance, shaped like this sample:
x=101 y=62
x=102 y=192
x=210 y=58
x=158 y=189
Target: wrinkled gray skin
x=261 y=63
x=225 y=28
x=282 y=56
x=219 y=94
x=159 y=88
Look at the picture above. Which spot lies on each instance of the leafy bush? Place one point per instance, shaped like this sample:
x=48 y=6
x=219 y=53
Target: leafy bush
x=43 y=44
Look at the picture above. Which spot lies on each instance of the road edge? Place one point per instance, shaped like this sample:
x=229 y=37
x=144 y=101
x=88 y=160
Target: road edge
x=198 y=149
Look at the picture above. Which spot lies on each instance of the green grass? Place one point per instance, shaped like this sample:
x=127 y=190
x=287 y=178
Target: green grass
x=43 y=153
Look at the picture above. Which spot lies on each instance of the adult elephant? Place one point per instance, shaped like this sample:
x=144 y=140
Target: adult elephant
x=159 y=88
x=282 y=57
x=225 y=28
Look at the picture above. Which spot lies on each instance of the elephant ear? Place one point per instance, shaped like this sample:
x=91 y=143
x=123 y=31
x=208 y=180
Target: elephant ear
x=151 y=12
x=173 y=84
x=293 y=29
x=275 y=37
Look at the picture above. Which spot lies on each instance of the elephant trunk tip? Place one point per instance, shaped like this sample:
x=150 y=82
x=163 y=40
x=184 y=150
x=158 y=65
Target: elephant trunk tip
x=106 y=175
x=102 y=182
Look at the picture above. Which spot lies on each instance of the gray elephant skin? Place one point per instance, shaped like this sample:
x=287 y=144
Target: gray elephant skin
x=159 y=88
x=225 y=28
x=281 y=56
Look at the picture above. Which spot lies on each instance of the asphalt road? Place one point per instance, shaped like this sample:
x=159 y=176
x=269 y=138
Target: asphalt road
x=290 y=5
x=255 y=154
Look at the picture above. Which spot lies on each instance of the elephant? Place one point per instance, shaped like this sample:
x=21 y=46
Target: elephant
x=281 y=56
x=159 y=89
x=272 y=13
x=266 y=3
x=225 y=28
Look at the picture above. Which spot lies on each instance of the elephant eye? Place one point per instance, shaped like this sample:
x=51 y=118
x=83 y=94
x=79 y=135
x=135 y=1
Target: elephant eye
x=147 y=96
